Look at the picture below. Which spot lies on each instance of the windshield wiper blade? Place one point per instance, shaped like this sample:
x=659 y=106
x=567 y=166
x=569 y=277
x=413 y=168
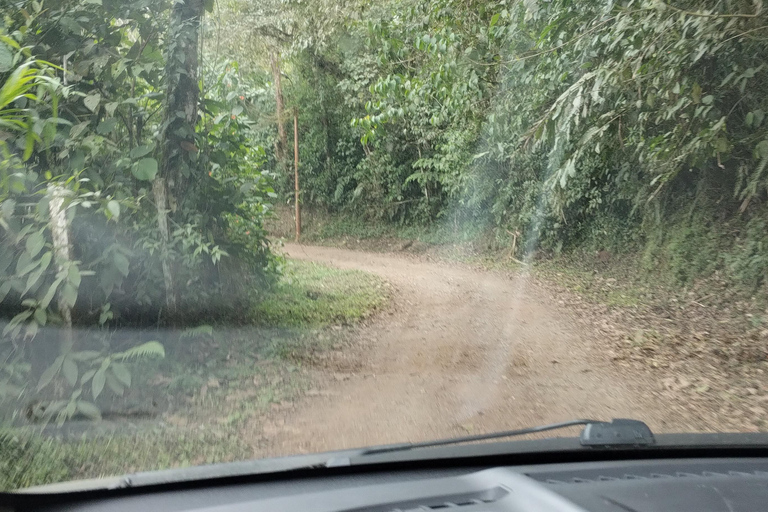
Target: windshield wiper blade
x=619 y=432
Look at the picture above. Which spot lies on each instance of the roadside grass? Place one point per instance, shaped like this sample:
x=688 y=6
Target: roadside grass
x=320 y=228
x=311 y=295
x=39 y=461
x=212 y=382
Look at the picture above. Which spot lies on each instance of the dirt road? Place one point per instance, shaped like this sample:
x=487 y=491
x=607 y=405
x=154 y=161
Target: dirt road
x=459 y=351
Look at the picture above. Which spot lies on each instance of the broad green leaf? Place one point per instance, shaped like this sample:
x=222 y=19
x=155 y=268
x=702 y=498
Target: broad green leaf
x=721 y=144
x=696 y=93
x=87 y=376
x=107 y=126
x=50 y=373
x=121 y=262
x=494 y=20
x=89 y=410
x=40 y=316
x=50 y=293
x=708 y=99
x=85 y=355
x=35 y=275
x=759 y=116
x=77 y=129
x=35 y=243
x=73 y=275
x=7 y=208
x=145 y=169
x=122 y=373
x=6 y=58
x=77 y=161
x=92 y=101
x=761 y=150
x=97 y=384
x=16 y=320
x=140 y=151
x=68 y=294
x=113 y=207
x=69 y=370
x=104 y=316
x=114 y=384
x=4 y=289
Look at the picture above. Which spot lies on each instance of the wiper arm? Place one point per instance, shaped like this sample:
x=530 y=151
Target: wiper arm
x=619 y=432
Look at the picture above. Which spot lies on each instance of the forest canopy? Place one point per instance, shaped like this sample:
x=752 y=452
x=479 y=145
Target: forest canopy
x=634 y=126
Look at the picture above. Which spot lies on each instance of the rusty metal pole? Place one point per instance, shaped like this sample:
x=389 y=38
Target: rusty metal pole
x=296 y=171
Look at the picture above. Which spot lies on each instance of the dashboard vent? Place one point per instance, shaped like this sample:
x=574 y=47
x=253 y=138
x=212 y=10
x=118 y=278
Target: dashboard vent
x=442 y=502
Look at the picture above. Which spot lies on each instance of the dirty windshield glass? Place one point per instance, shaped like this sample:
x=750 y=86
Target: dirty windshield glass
x=241 y=229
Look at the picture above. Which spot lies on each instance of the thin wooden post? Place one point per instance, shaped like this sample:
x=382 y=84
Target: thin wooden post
x=296 y=171
x=62 y=248
x=281 y=146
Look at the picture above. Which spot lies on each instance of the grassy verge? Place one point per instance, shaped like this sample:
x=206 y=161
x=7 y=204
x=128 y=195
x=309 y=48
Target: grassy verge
x=213 y=383
x=312 y=296
x=26 y=461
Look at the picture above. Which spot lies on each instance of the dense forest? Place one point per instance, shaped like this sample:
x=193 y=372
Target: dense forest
x=144 y=143
x=628 y=127
x=596 y=126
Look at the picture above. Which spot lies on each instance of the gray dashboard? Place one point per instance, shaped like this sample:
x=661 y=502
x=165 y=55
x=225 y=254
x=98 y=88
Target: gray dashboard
x=701 y=485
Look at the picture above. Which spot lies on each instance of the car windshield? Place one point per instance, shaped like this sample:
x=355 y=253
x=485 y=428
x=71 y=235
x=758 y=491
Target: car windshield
x=240 y=229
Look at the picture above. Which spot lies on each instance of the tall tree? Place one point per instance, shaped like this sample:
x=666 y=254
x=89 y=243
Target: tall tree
x=178 y=127
x=182 y=98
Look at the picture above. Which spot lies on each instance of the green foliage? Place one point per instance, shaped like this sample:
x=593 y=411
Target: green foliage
x=748 y=260
x=577 y=126
x=312 y=295
x=25 y=462
x=88 y=136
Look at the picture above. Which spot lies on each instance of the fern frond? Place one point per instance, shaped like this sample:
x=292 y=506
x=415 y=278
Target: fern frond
x=196 y=331
x=148 y=349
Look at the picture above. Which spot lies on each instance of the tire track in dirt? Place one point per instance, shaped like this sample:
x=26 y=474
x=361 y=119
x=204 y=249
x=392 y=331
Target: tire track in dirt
x=459 y=351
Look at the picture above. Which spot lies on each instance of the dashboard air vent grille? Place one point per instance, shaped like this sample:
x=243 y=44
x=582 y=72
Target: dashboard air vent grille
x=441 y=503
x=580 y=477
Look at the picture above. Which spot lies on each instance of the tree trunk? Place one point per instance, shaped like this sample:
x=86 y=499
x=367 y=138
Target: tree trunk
x=181 y=102
x=178 y=164
x=296 y=189
x=282 y=137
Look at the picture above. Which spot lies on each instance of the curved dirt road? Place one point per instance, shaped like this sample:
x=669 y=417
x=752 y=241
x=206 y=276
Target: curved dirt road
x=459 y=352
